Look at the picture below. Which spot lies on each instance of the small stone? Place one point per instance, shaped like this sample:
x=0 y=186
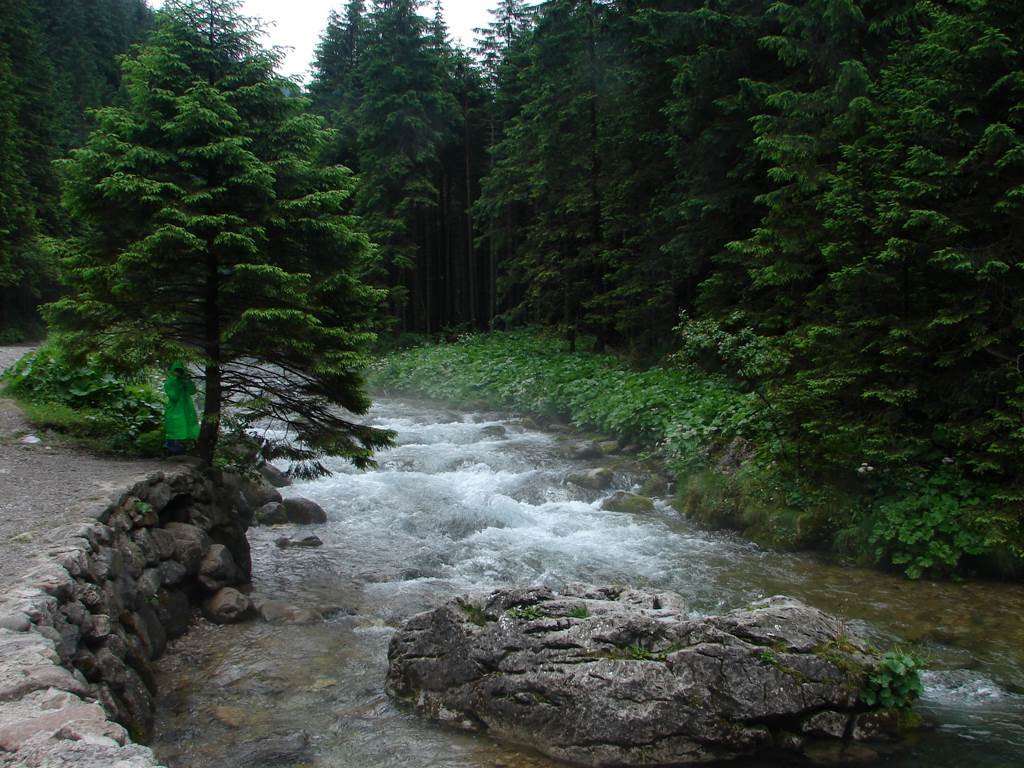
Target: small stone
x=228 y=606
x=232 y=717
x=831 y=724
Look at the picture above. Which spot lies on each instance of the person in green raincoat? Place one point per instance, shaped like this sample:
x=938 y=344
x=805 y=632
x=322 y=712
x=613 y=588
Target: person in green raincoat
x=180 y=423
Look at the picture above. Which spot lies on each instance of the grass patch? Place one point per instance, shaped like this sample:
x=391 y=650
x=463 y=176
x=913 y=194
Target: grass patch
x=579 y=612
x=526 y=613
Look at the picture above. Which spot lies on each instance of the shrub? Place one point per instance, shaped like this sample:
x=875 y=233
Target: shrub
x=88 y=401
x=928 y=528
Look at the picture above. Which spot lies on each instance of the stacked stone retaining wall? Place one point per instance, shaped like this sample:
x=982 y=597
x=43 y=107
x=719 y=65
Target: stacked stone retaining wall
x=79 y=634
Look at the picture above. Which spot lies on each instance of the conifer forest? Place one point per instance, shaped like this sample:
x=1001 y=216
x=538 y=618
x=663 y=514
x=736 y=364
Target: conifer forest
x=815 y=205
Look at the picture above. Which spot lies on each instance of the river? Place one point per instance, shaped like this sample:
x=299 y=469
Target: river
x=474 y=501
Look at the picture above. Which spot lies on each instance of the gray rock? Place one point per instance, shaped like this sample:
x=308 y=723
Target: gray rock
x=228 y=606
x=174 y=611
x=190 y=543
x=15 y=621
x=280 y=612
x=150 y=582
x=611 y=676
x=97 y=626
x=164 y=541
x=143 y=538
x=274 y=476
x=172 y=573
x=272 y=513
x=303 y=511
x=306 y=541
x=623 y=501
x=494 y=432
x=259 y=492
x=133 y=557
x=217 y=569
x=582 y=451
x=596 y=479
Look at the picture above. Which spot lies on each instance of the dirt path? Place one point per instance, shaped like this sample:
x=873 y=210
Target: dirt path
x=47 y=485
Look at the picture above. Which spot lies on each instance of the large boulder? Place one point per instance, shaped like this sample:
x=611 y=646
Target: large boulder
x=608 y=676
x=304 y=511
x=624 y=501
x=596 y=479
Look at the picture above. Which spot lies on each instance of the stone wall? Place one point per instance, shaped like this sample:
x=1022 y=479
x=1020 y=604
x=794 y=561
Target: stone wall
x=78 y=636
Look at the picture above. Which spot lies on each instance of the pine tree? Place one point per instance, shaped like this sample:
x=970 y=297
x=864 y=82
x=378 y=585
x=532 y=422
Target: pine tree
x=336 y=88
x=404 y=118
x=56 y=60
x=548 y=163
x=215 y=235
x=917 y=332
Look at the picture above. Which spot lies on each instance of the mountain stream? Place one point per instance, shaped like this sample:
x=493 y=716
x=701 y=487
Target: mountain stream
x=475 y=501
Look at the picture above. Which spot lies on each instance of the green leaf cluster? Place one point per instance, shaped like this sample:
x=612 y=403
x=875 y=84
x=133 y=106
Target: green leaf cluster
x=896 y=684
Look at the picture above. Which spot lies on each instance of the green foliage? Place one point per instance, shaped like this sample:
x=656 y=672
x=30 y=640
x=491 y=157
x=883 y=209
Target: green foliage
x=676 y=411
x=475 y=614
x=896 y=684
x=56 y=61
x=930 y=527
x=213 y=233
x=526 y=613
x=88 y=400
x=579 y=612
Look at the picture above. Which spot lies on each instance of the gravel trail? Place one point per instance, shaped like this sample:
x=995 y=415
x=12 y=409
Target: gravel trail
x=47 y=485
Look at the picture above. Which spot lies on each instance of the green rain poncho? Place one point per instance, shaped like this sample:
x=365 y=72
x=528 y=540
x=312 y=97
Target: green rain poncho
x=180 y=420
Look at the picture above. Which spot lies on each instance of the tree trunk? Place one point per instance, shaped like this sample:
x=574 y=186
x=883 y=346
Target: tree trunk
x=209 y=431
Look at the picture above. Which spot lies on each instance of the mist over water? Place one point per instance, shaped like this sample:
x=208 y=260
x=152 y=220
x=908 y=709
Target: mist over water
x=476 y=501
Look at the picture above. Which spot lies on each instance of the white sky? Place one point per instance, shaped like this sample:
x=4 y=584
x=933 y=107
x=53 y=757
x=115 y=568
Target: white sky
x=298 y=24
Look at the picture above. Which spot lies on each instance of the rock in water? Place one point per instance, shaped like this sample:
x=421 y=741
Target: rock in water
x=610 y=676
x=303 y=511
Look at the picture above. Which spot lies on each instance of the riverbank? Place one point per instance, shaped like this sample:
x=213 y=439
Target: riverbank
x=48 y=485
x=101 y=563
x=718 y=439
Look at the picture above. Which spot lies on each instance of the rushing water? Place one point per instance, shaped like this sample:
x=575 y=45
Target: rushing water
x=474 y=501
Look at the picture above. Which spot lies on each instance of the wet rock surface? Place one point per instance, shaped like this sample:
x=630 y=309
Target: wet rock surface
x=611 y=676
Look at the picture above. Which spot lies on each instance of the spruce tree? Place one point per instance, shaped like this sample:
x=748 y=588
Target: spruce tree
x=214 y=234
x=404 y=117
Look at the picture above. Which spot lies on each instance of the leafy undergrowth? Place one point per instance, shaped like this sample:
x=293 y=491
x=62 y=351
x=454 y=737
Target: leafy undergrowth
x=106 y=412
x=677 y=413
x=734 y=469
